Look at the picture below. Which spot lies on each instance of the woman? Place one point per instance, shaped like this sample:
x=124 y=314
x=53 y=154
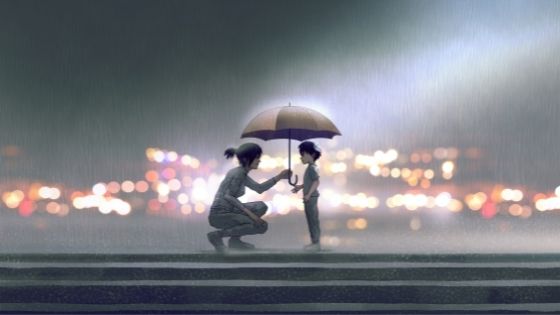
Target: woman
x=232 y=218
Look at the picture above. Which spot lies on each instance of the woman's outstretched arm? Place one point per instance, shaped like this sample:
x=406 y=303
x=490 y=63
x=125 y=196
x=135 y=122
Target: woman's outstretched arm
x=262 y=187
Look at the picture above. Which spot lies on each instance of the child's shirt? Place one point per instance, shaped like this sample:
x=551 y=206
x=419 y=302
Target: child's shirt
x=309 y=177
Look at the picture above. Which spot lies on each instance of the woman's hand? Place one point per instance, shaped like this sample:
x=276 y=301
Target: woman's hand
x=259 y=221
x=297 y=188
x=285 y=174
x=254 y=217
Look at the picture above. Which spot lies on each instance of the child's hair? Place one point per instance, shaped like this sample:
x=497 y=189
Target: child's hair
x=311 y=148
x=246 y=153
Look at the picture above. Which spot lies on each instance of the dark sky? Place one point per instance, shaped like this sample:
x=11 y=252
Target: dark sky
x=86 y=86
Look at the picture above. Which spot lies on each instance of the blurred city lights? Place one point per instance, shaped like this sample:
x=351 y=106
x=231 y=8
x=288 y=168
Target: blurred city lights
x=357 y=224
x=172 y=156
x=141 y=186
x=415 y=224
x=183 y=198
x=53 y=207
x=174 y=184
x=199 y=207
x=447 y=167
x=475 y=201
x=163 y=189
x=186 y=209
x=188 y=187
x=26 y=208
x=429 y=174
x=159 y=156
x=338 y=167
x=150 y=152
x=488 y=210
x=515 y=210
x=151 y=176
x=186 y=160
x=113 y=187
x=455 y=205
x=49 y=192
x=127 y=186
x=512 y=195
x=12 y=199
x=443 y=199
x=168 y=173
x=195 y=163
x=99 y=189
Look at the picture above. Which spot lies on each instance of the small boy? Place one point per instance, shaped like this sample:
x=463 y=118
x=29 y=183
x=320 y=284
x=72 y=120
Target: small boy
x=309 y=153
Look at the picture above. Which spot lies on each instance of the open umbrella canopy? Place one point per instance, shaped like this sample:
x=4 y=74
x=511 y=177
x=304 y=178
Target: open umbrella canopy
x=290 y=122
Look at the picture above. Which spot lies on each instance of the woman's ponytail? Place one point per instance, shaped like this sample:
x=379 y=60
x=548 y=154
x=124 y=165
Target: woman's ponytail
x=229 y=153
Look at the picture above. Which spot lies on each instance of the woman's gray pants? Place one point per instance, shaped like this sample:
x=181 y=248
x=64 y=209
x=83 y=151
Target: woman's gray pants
x=239 y=224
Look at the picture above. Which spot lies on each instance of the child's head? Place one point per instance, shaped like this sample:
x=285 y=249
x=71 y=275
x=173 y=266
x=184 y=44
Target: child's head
x=246 y=153
x=311 y=149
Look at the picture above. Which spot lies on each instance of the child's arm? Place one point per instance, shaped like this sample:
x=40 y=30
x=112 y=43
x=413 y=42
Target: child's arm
x=297 y=188
x=312 y=189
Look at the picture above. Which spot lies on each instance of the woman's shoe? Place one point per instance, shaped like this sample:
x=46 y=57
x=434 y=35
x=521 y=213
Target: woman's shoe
x=237 y=243
x=216 y=240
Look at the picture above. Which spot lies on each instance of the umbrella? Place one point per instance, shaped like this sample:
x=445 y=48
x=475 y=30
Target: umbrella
x=290 y=122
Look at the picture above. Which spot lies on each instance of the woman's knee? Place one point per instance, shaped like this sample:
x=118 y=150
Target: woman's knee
x=211 y=221
x=260 y=208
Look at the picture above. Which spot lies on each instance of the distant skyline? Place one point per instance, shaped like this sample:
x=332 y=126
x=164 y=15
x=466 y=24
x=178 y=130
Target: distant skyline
x=87 y=86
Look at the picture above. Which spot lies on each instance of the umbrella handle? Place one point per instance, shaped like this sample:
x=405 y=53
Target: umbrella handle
x=290 y=157
x=295 y=181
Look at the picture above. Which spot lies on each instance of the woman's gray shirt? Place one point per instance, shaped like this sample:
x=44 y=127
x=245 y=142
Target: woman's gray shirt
x=233 y=187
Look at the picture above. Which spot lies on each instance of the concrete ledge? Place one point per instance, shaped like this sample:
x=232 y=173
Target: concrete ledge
x=300 y=308
x=280 y=282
